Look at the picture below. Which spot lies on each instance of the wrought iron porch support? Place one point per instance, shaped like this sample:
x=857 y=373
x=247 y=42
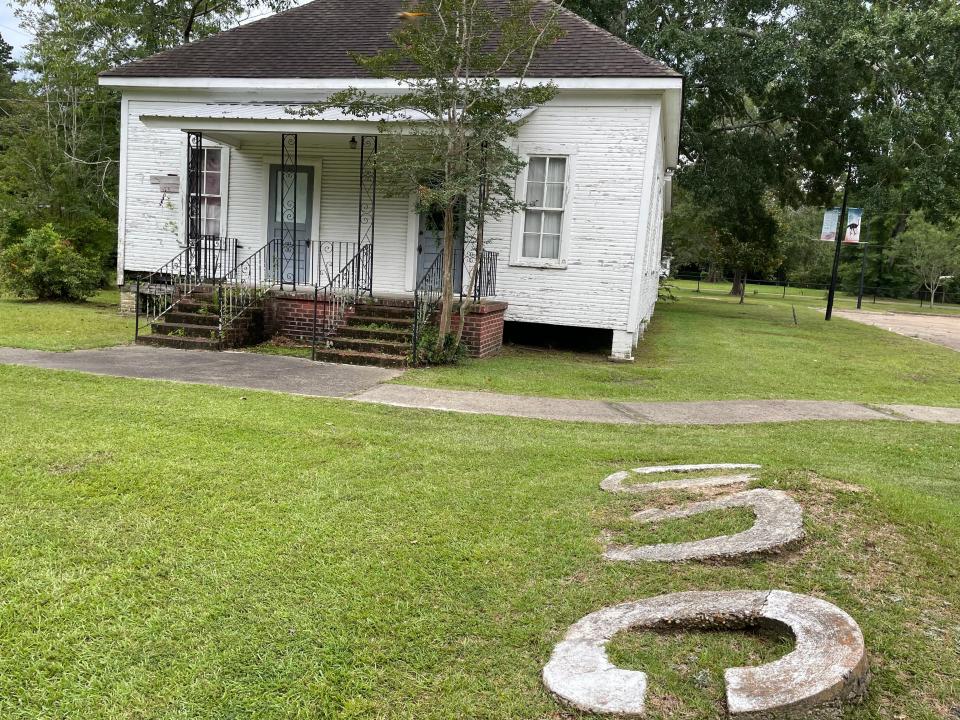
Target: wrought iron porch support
x=195 y=198
x=367 y=206
x=289 y=161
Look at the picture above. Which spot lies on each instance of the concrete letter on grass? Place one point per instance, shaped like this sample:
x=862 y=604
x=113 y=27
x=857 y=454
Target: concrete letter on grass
x=779 y=524
x=615 y=482
x=826 y=668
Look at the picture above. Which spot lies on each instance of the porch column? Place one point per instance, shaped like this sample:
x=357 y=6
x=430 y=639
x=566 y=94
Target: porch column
x=288 y=208
x=195 y=199
x=367 y=210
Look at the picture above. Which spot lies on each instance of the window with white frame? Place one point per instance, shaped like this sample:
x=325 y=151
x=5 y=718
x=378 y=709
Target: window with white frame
x=211 y=202
x=543 y=219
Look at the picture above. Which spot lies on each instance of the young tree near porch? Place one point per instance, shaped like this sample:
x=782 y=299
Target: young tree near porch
x=450 y=123
x=933 y=252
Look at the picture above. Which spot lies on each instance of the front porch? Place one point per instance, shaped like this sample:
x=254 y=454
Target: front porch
x=286 y=234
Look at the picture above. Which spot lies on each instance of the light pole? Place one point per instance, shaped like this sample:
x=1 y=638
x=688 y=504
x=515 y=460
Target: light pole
x=841 y=234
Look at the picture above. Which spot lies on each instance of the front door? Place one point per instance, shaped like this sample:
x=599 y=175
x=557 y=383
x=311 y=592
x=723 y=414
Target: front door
x=294 y=261
x=430 y=245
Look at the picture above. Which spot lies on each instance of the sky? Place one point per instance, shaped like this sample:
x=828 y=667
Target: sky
x=10 y=29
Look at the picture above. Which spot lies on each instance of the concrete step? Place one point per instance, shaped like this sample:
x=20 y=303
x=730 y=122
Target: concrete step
x=184 y=330
x=182 y=343
x=365 y=333
x=351 y=357
x=382 y=347
x=191 y=304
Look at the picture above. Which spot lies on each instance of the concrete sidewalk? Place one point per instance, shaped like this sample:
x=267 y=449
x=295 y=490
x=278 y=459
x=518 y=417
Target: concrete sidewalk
x=365 y=384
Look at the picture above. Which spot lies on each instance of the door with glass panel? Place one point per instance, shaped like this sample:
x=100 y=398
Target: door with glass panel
x=545 y=198
x=293 y=212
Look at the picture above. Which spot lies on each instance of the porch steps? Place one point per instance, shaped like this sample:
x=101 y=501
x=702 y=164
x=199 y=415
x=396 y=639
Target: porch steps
x=193 y=324
x=378 y=332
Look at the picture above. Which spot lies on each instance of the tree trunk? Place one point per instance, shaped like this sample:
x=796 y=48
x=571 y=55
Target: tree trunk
x=737 y=288
x=446 y=295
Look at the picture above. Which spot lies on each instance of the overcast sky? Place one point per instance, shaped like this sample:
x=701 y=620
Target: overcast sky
x=10 y=28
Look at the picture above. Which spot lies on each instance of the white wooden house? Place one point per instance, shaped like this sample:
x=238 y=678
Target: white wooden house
x=208 y=147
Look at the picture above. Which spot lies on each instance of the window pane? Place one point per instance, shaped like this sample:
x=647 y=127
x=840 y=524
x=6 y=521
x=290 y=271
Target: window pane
x=211 y=207
x=551 y=247
x=552 y=222
x=212 y=160
x=531 y=245
x=535 y=194
x=211 y=227
x=537 y=169
x=554 y=198
x=557 y=171
x=532 y=223
x=211 y=183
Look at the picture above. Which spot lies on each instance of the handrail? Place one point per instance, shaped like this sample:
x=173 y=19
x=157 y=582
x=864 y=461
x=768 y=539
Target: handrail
x=354 y=279
x=204 y=259
x=245 y=284
x=426 y=297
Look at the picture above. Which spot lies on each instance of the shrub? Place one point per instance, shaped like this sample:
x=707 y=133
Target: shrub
x=46 y=266
x=427 y=351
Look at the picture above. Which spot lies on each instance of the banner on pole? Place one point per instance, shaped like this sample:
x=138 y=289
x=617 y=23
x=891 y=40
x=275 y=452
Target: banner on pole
x=831 y=218
x=854 y=223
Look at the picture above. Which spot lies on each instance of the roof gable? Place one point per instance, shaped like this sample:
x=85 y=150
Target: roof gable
x=315 y=41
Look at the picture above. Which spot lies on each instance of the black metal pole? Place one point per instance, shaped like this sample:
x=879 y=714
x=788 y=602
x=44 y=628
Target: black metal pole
x=863 y=270
x=841 y=234
x=136 y=325
x=313 y=351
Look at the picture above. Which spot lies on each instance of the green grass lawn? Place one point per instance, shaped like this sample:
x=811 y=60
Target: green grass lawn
x=818 y=298
x=64 y=326
x=171 y=551
x=708 y=347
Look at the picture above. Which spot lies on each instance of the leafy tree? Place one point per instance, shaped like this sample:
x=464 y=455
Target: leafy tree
x=931 y=251
x=58 y=163
x=448 y=63
x=46 y=266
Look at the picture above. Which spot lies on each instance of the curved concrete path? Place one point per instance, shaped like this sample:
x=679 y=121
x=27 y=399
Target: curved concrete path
x=826 y=669
x=365 y=384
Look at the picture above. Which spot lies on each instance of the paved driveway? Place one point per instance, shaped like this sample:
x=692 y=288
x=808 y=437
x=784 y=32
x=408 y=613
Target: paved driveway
x=940 y=329
x=232 y=369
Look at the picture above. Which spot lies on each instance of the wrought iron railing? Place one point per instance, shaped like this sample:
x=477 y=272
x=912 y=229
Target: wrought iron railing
x=247 y=282
x=426 y=298
x=485 y=284
x=354 y=280
x=205 y=259
x=429 y=289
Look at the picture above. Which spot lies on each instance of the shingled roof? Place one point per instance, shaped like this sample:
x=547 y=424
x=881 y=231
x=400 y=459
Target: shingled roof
x=315 y=41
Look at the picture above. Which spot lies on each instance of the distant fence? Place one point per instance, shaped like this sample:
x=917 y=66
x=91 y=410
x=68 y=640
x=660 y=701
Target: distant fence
x=784 y=288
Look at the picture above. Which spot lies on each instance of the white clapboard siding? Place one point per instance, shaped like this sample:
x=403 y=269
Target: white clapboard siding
x=607 y=133
x=594 y=289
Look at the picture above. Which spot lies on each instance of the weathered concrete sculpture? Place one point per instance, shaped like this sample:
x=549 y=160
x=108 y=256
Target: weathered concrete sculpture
x=779 y=524
x=615 y=482
x=827 y=667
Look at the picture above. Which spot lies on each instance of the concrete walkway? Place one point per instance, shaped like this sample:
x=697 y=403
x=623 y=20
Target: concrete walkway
x=938 y=329
x=365 y=384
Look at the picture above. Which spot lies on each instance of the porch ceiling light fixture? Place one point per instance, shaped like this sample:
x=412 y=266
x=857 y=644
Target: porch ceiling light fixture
x=353 y=143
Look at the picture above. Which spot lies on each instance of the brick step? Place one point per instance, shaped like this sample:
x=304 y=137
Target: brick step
x=175 y=317
x=183 y=329
x=191 y=304
x=360 y=320
x=351 y=357
x=384 y=311
x=183 y=343
x=364 y=333
x=382 y=347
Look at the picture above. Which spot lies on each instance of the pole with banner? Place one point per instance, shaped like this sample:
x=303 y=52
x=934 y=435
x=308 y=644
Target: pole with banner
x=838 y=243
